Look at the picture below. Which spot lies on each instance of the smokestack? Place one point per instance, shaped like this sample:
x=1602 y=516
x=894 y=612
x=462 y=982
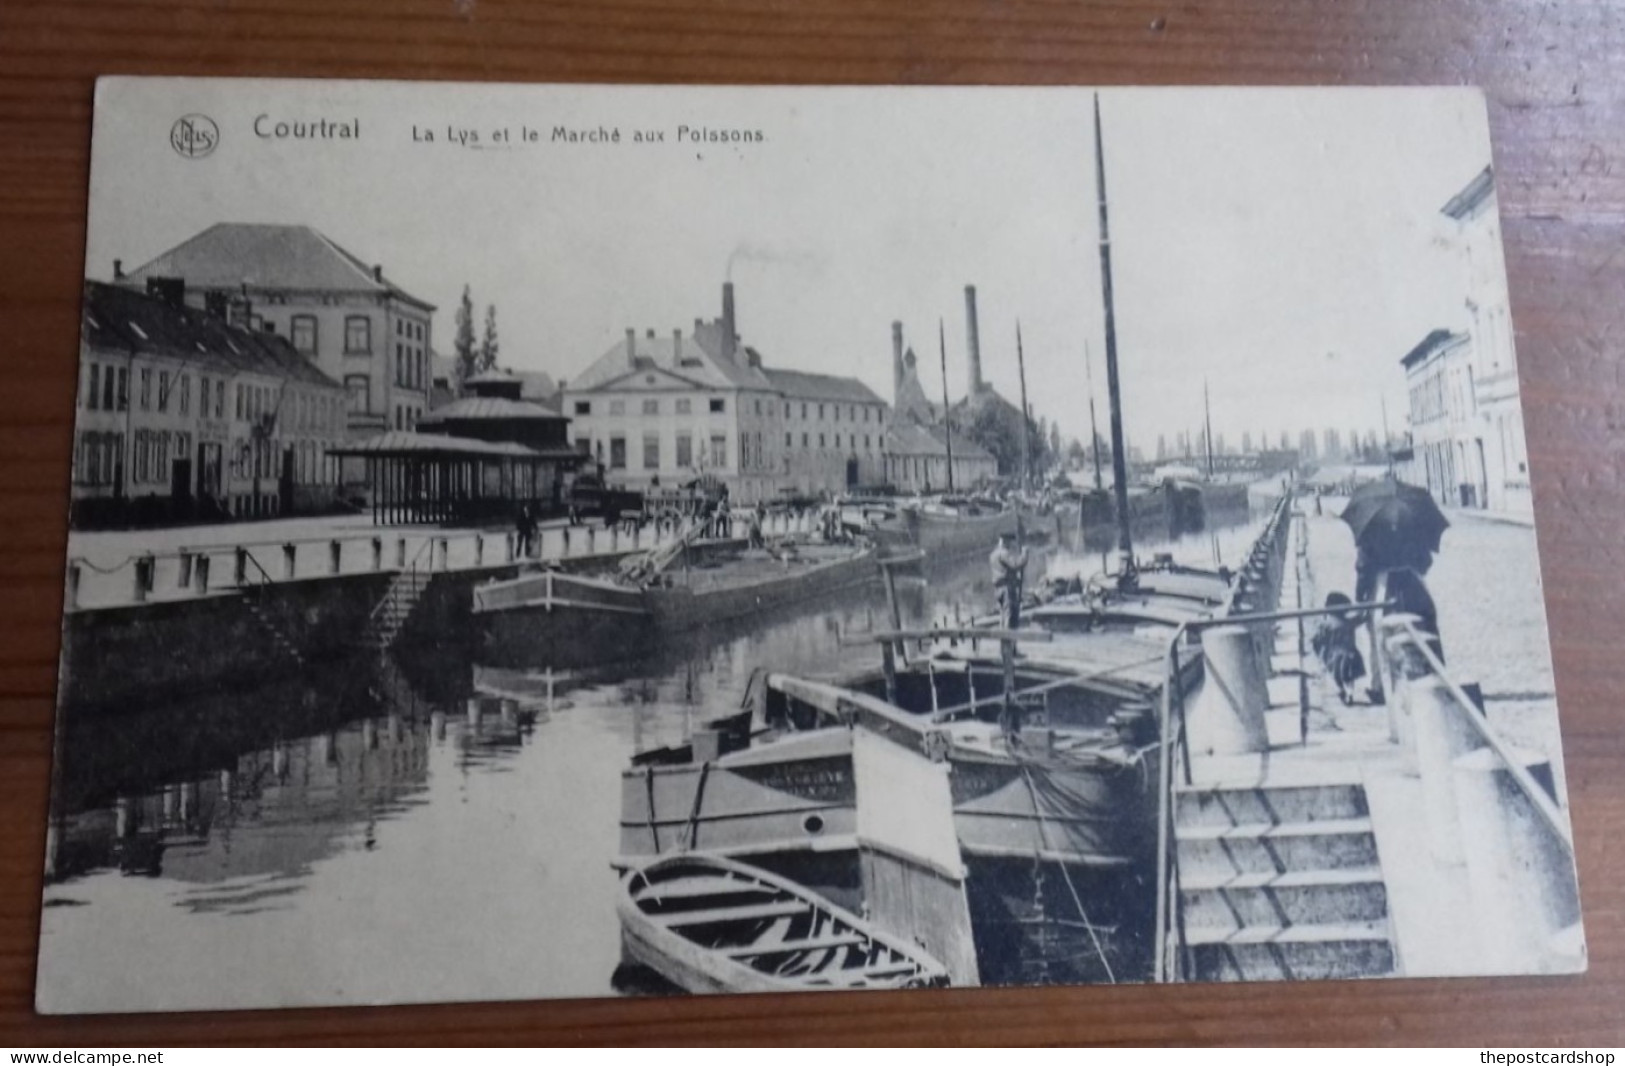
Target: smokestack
x=973 y=343
x=631 y=347
x=730 y=333
x=896 y=360
x=118 y=269
x=378 y=272
x=676 y=347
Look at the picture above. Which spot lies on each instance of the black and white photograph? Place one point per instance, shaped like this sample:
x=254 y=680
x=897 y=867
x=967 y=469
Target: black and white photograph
x=579 y=541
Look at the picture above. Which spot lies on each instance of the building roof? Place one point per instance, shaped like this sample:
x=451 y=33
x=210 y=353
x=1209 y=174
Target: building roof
x=798 y=385
x=297 y=258
x=695 y=356
x=1477 y=192
x=426 y=445
x=911 y=440
x=1435 y=341
x=122 y=319
x=489 y=408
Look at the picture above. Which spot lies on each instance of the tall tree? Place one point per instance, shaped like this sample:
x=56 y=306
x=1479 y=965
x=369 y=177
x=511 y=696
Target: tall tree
x=488 y=343
x=463 y=344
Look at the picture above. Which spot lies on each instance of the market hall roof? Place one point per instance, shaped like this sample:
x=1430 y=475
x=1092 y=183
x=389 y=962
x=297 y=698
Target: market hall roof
x=400 y=443
x=488 y=408
x=228 y=255
x=128 y=321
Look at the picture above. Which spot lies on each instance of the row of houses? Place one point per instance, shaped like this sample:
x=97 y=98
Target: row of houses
x=1466 y=428
x=263 y=370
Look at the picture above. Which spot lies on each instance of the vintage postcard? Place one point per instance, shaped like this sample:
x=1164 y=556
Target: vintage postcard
x=538 y=541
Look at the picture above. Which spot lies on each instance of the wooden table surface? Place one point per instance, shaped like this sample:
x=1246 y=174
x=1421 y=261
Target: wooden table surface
x=1554 y=74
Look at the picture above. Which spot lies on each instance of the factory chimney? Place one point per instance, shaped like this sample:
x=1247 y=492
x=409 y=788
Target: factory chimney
x=973 y=343
x=730 y=334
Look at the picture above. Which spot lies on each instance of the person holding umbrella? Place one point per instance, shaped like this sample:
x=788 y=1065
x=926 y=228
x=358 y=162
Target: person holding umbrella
x=1396 y=533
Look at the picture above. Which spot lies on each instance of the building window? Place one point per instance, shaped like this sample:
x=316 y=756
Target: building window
x=583 y=407
x=219 y=399
x=358 y=388
x=617 y=453
x=163 y=390
x=685 y=407
x=820 y=440
x=357 y=335
x=617 y=407
x=302 y=331
x=123 y=388
x=787 y=409
x=651 y=407
x=719 y=449
x=804 y=440
x=787 y=441
x=717 y=405
x=109 y=389
x=95 y=387
x=758 y=407
x=685 y=450
x=186 y=394
x=803 y=410
x=820 y=412
x=651 y=451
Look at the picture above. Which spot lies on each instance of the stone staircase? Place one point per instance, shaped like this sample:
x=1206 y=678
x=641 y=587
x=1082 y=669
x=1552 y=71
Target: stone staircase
x=1280 y=883
x=269 y=625
x=397 y=605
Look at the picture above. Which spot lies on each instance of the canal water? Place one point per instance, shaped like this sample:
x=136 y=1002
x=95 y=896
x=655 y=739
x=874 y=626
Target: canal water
x=437 y=830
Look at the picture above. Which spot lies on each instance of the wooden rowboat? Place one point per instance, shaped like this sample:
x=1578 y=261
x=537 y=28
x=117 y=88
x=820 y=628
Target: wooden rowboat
x=709 y=924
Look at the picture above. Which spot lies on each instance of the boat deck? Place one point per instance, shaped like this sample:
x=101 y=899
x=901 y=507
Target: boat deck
x=750 y=565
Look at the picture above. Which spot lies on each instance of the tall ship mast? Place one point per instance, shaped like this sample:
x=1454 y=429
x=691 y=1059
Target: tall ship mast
x=1125 y=539
x=947 y=413
x=1026 y=447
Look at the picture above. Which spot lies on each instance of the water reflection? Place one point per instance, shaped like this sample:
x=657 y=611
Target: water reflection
x=429 y=828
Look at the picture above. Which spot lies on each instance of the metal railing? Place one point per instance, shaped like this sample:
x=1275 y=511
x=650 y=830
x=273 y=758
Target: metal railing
x=188 y=570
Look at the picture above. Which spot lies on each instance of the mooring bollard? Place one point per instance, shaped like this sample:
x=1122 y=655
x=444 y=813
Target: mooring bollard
x=479 y=549
x=507 y=546
x=335 y=556
x=183 y=570
x=74 y=575
x=239 y=567
x=377 y=553
x=1520 y=876
x=445 y=554
x=290 y=555
x=1227 y=712
x=400 y=553
x=200 y=574
x=592 y=539
x=143 y=577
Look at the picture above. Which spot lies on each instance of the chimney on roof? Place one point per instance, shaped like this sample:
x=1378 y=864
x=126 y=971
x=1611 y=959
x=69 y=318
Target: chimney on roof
x=118 y=270
x=650 y=334
x=896 y=360
x=730 y=334
x=171 y=291
x=676 y=347
x=754 y=358
x=631 y=346
x=378 y=272
x=973 y=344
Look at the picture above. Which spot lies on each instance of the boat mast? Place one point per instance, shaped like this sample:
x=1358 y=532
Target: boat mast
x=1125 y=539
x=1207 y=411
x=947 y=414
x=1026 y=447
x=1094 y=433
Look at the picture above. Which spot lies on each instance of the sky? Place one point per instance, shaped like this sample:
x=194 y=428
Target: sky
x=1283 y=246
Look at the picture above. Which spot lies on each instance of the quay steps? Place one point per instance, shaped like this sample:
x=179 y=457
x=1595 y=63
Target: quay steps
x=396 y=607
x=1280 y=883
x=269 y=625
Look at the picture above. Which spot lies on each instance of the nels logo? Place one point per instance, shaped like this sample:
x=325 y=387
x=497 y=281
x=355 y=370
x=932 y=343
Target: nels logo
x=194 y=136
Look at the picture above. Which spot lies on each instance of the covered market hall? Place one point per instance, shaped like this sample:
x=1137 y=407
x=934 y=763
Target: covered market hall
x=420 y=478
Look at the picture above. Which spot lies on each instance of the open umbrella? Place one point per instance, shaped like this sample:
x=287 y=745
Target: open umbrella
x=1397 y=525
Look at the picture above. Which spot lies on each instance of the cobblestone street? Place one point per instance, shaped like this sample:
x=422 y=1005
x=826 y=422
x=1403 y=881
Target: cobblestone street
x=1492 y=618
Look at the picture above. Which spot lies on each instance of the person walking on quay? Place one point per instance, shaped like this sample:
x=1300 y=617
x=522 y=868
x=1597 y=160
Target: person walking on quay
x=525 y=530
x=1009 y=564
x=1396 y=528
x=1334 y=643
